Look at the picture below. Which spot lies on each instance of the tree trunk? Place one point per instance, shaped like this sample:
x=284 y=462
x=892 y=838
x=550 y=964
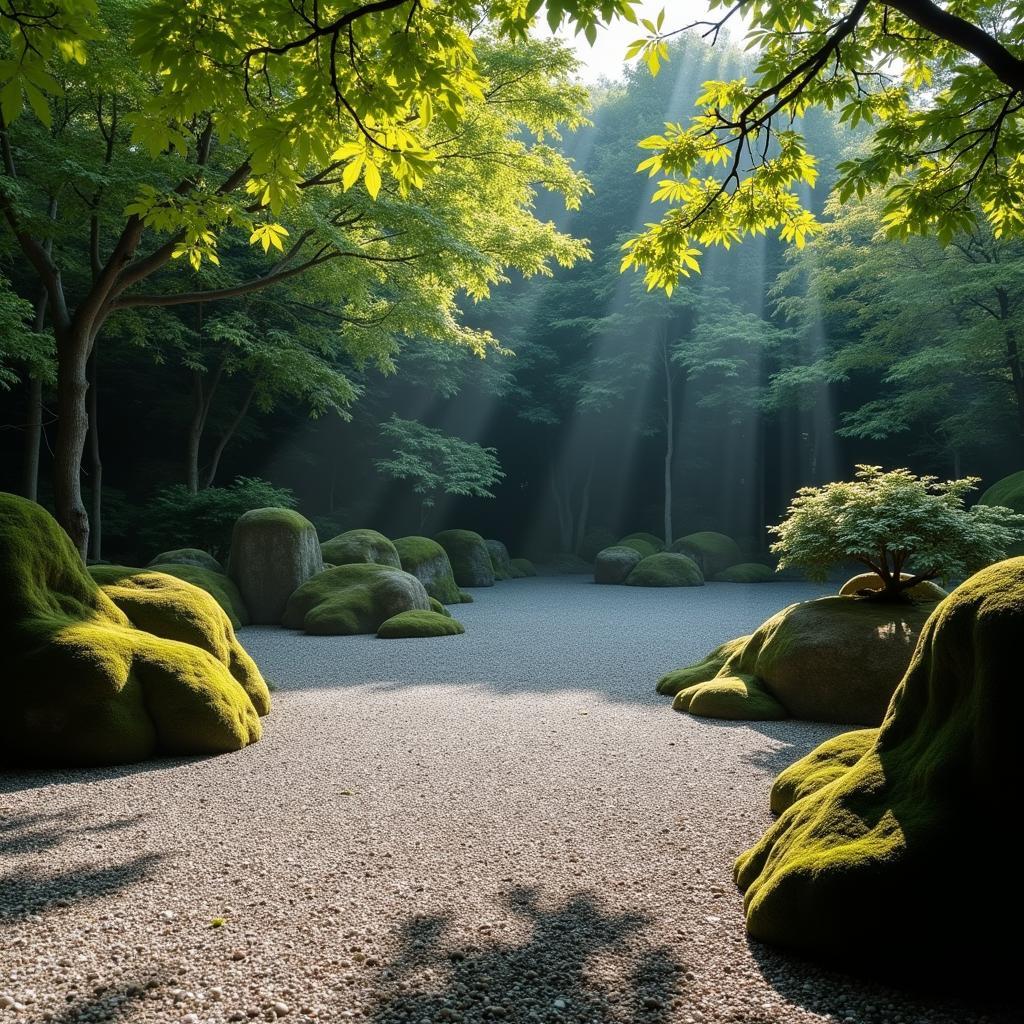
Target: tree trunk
x=211 y=473
x=73 y=345
x=95 y=462
x=195 y=433
x=33 y=439
x=564 y=511
x=670 y=445
x=584 y=514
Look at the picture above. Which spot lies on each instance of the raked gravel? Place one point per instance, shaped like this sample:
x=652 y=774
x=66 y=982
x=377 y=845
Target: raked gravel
x=506 y=826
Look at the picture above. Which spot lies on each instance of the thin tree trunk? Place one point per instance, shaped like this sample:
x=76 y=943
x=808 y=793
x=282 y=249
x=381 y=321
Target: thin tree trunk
x=95 y=462
x=564 y=512
x=583 y=518
x=670 y=444
x=195 y=433
x=211 y=472
x=33 y=439
x=73 y=346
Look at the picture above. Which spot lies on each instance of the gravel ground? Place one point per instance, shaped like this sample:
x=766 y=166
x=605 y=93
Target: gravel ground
x=501 y=826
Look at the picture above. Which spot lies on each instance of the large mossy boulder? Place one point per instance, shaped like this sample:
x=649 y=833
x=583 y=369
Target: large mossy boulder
x=501 y=562
x=273 y=552
x=98 y=676
x=834 y=659
x=188 y=556
x=470 y=559
x=522 y=568
x=352 y=599
x=745 y=572
x=355 y=546
x=894 y=852
x=406 y=625
x=871 y=582
x=713 y=552
x=428 y=562
x=665 y=570
x=614 y=564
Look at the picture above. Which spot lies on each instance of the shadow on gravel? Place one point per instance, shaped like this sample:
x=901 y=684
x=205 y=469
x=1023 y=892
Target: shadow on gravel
x=568 y=970
x=108 y=1005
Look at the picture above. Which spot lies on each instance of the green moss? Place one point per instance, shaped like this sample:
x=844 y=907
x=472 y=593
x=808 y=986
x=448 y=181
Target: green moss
x=733 y=697
x=614 y=564
x=655 y=543
x=92 y=677
x=1008 y=492
x=522 y=568
x=501 y=564
x=465 y=598
x=713 y=552
x=665 y=570
x=642 y=547
x=926 y=591
x=821 y=766
x=351 y=599
x=702 y=671
x=357 y=546
x=419 y=624
x=470 y=560
x=436 y=606
x=745 y=572
x=894 y=860
x=188 y=556
x=594 y=541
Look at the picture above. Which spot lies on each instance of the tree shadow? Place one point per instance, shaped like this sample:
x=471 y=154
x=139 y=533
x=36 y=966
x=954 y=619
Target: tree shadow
x=564 y=970
x=14 y=779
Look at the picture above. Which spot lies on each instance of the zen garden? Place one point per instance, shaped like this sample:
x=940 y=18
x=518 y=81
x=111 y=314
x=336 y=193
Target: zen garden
x=511 y=511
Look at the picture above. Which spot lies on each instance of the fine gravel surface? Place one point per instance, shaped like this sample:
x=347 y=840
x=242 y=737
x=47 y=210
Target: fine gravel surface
x=505 y=826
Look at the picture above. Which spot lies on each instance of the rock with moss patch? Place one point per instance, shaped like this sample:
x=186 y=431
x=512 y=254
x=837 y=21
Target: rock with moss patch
x=522 y=568
x=436 y=606
x=614 y=564
x=889 y=859
x=870 y=581
x=273 y=552
x=470 y=559
x=429 y=563
x=713 y=552
x=501 y=563
x=465 y=598
x=356 y=546
x=419 y=624
x=655 y=543
x=352 y=599
x=735 y=697
x=595 y=540
x=99 y=676
x=679 y=679
x=665 y=570
x=821 y=766
x=745 y=572
x=188 y=556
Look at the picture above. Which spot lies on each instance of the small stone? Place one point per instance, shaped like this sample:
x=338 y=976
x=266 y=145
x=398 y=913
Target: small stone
x=281 y=1009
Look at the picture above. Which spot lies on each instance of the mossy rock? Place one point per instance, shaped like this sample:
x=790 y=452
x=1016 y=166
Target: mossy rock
x=522 y=568
x=735 y=697
x=925 y=591
x=99 y=676
x=745 y=572
x=429 y=563
x=352 y=599
x=823 y=765
x=565 y=563
x=894 y=859
x=703 y=671
x=666 y=570
x=419 y=624
x=465 y=598
x=1008 y=492
x=357 y=546
x=713 y=552
x=614 y=564
x=501 y=563
x=470 y=559
x=273 y=552
x=642 y=547
x=655 y=543
x=436 y=606
x=188 y=556
x=595 y=540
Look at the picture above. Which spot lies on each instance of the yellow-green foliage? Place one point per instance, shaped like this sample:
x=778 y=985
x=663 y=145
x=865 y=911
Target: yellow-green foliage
x=360 y=546
x=745 y=572
x=702 y=671
x=351 y=599
x=428 y=562
x=522 y=568
x=93 y=678
x=188 y=556
x=736 y=697
x=821 y=766
x=469 y=557
x=419 y=624
x=892 y=861
x=656 y=544
x=713 y=552
x=665 y=570
x=1008 y=492
x=924 y=591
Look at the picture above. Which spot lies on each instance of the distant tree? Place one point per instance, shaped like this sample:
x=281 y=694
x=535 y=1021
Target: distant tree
x=437 y=464
x=892 y=522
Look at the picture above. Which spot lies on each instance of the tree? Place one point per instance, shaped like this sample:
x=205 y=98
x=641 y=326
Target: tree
x=889 y=521
x=943 y=84
x=437 y=464
x=167 y=133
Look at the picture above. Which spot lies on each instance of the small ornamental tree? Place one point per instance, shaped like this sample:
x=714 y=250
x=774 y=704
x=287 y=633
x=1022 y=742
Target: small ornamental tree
x=893 y=523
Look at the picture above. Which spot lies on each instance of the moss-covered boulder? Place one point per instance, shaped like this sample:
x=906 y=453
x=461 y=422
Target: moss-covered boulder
x=745 y=572
x=188 y=556
x=94 y=677
x=823 y=765
x=835 y=659
x=357 y=546
x=681 y=678
x=436 y=606
x=1008 y=492
x=614 y=564
x=637 y=544
x=351 y=599
x=666 y=570
x=654 y=542
x=429 y=563
x=595 y=540
x=713 y=552
x=419 y=624
x=273 y=552
x=870 y=581
x=522 y=568
x=894 y=857
x=470 y=559
x=501 y=563
x=734 y=697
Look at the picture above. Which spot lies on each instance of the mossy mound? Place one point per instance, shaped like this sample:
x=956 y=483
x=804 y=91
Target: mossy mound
x=713 y=552
x=1008 y=492
x=273 y=552
x=501 y=563
x=595 y=540
x=703 y=671
x=745 y=572
x=821 y=766
x=925 y=591
x=735 y=697
x=419 y=624
x=465 y=598
x=428 y=562
x=188 y=556
x=436 y=606
x=666 y=570
x=614 y=564
x=351 y=599
x=356 y=546
x=522 y=568
x=97 y=677
x=835 y=659
x=893 y=860
x=650 y=539
x=642 y=547
x=469 y=557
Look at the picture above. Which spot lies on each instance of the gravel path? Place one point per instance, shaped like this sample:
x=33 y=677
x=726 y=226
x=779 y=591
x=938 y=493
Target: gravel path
x=501 y=826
